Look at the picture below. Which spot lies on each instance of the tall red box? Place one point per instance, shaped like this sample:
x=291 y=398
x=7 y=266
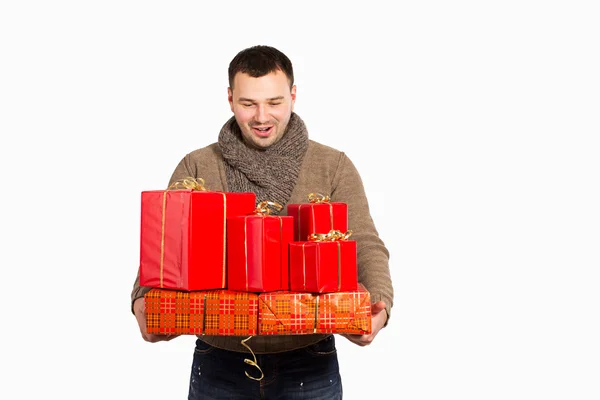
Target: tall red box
x=183 y=237
x=323 y=267
x=318 y=216
x=257 y=252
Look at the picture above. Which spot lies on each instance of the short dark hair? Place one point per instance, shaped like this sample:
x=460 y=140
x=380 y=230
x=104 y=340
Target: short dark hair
x=258 y=61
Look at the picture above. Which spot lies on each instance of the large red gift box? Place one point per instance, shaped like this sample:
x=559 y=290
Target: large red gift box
x=257 y=252
x=183 y=237
x=295 y=313
x=318 y=216
x=323 y=267
x=212 y=312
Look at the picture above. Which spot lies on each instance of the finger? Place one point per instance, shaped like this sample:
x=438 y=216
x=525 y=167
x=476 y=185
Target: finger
x=378 y=307
x=361 y=340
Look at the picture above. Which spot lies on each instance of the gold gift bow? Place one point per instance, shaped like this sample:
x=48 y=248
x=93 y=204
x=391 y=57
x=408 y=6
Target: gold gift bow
x=251 y=362
x=196 y=184
x=332 y=236
x=318 y=198
x=188 y=183
x=261 y=209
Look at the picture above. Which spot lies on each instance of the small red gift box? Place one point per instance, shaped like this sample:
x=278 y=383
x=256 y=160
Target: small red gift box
x=323 y=266
x=183 y=236
x=293 y=313
x=318 y=216
x=213 y=312
x=257 y=251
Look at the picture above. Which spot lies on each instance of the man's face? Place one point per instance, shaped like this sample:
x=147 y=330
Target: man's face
x=262 y=107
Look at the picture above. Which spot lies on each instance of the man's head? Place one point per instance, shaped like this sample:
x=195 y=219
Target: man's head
x=261 y=94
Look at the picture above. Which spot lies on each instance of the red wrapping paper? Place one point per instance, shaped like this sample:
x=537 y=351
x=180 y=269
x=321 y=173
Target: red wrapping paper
x=323 y=267
x=321 y=217
x=257 y=253
x=294 y=313
x=183 y=237
x=213 y=312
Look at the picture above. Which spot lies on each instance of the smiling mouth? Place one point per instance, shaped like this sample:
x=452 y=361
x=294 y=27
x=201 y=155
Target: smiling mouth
x=262 y=131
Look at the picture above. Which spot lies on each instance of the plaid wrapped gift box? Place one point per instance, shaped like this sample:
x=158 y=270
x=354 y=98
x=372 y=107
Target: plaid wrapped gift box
x=211 y=312
x=295 y=313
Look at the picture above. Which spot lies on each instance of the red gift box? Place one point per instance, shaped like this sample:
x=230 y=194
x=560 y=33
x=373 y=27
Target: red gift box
x=183 y=237
x=323 y=267
x=213 y=312
x=318 y=216
x=257 y=252
x=293 y=313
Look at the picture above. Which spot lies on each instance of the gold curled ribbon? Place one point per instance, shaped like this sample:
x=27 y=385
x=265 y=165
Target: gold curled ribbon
x=263 y=207
x=188 y=183
x=251 y=362
x=318 y=198
x=332 y=236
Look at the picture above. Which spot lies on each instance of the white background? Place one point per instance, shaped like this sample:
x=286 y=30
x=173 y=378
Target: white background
x=475 y=128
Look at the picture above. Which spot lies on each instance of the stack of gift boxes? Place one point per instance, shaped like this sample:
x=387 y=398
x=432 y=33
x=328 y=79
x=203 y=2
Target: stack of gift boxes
x=220 y=265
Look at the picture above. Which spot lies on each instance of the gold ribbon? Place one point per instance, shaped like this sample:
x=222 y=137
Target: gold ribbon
x=204 y=316
x=251 y=362
x=303 y=267
x=316 y=314
x=189 y=183
x=318 y=198
x=263 y=207
x=224 y=255
x=332 y=236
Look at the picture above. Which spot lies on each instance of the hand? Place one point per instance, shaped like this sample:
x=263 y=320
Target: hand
x=378 y=318
x=139 y=309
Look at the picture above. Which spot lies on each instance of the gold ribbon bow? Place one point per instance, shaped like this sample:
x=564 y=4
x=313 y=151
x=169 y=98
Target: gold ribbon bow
x=263 y=207
x=188 y=183
x=317 y=198
x=251 y=362
x=332 y=236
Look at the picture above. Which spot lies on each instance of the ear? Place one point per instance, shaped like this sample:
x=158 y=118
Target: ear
x=293 y=94
x=230 y=98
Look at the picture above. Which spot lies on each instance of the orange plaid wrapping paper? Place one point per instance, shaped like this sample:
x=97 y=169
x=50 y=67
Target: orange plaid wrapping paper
x=294 y=313
x=211 y=312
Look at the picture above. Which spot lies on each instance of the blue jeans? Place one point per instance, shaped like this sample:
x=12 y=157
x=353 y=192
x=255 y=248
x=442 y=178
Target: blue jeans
x=311 y=373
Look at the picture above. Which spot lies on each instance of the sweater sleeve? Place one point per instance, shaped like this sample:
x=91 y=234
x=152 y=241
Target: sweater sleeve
x=372 y=254
x=183 y=170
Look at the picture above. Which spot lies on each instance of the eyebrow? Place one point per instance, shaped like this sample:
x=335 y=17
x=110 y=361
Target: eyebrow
x=252 y=100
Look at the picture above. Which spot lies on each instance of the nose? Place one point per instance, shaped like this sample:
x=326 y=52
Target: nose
x=261 y=114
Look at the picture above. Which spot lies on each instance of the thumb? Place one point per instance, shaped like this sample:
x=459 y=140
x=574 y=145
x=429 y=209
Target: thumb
x=378 y=307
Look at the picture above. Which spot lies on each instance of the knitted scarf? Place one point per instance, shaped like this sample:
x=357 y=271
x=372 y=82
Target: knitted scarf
x=270 y=173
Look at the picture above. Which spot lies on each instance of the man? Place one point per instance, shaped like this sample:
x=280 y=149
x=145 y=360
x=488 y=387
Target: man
x=264 y=148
